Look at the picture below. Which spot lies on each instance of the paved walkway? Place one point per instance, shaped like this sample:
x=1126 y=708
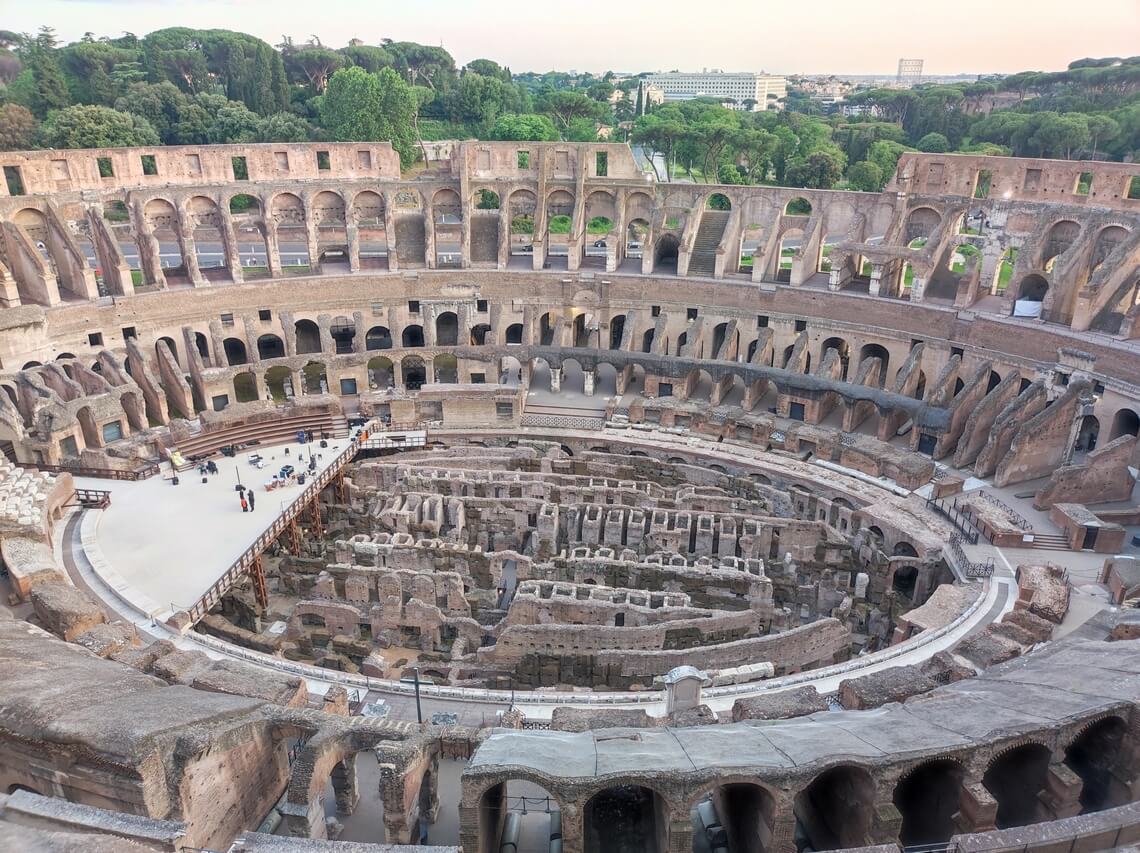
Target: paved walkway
x=163 y=546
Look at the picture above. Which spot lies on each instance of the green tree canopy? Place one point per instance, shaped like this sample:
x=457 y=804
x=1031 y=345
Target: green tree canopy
x=933 y=143
x=865 y=176
x=17 y=128
x=530 y=127
x=363 y=107
x=96 y=127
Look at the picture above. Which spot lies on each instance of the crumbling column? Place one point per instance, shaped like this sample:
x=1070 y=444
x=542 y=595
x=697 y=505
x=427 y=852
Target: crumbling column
x=353 y=235
x=230 y=247
x=1062 y=794
x=272 y=249
x=588 y=379
x=977 y=809
x=344 y=785
x=304 y=821
x=555 y=379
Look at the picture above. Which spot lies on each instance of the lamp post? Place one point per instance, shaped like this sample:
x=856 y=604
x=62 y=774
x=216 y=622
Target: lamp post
x=419 y=711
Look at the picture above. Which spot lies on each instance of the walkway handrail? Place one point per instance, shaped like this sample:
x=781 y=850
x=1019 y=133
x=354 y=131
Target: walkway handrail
x=143 y=473
x=960 y=517
x=241 y=565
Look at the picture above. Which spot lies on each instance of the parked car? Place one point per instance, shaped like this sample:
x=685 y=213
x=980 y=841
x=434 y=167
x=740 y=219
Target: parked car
x=528 y=249
x=599 y=244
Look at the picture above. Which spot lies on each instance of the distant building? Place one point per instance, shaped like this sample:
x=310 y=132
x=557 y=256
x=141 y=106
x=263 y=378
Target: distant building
x=738 y=90
x=910 y=71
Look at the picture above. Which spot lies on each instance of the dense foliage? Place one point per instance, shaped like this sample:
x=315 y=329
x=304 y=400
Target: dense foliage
x=187 y=86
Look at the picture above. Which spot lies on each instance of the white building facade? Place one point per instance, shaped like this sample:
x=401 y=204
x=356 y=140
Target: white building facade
x=739 y=90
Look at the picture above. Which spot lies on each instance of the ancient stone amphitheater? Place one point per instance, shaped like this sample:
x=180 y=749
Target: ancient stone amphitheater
x=525 y=504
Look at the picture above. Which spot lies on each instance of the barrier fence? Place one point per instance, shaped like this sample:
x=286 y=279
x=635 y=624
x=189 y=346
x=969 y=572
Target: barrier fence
x=144 y=473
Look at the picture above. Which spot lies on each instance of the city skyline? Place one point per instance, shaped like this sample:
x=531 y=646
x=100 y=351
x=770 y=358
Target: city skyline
x=1003 y=37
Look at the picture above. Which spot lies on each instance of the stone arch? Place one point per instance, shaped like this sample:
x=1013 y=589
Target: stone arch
x=836 y=809
x=1032 y=288
x=235 y=351
x=921 y=223
x=315 y=378
x=381 y=373
x=368 y=208
x=665 y=253
x=378 y=337
x=161 y=215
x=841 y=347
x=514 y=333
x=601 y=212
x=1014 y=778
x=245 y=387
x=447 y=206
x=1096 y=754
x=797 y=206
x=717 y=201
x=163 y=340
x=412 y=336
x=481 y=335
x=1124 y=422
x=413 y=372
x=308 y=336
x=244 y=205
x=486 y=198
x=745 y=809
x=880 y=352
x=1087 y=433
x=134 y=409
x=447 y=329
x=1060 y=237
x=626 y=816
x=928 y=797
x=328 y=208
x=1107 y=239
x=343 y=332
x=270 y=346
x=445 y=368
x=520 y=792
x=279 y=382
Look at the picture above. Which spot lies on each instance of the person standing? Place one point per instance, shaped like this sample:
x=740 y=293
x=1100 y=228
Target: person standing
x=251 y=500
x=244 y=505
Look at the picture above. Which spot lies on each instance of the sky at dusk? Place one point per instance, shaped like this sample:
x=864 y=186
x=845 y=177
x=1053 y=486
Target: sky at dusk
x=824 y=36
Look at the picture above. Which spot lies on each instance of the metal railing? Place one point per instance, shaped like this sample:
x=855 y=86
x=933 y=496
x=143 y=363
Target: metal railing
x=972 y=569
x=143 y=473
x=93 y=498
x=1016 y=517
x=242 y=564
x=960 y=516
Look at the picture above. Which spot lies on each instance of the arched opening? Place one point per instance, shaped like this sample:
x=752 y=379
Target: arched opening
x=879 y=352
x=617 y=331
x=308 y=337
x=791 y=242
x=1087 y=434
x=523 y=204
x=920 y=386
x=235 y=352
x=413 y=336
x=718 y=201
x=546 y=330
x=798 y=206
x=486 y=200
x=288 y=212
x=245 y=388
x=1058 y=240
x=737 y=817
x=205 y=221
x=446 y=368
x=343 y=331
x=368 y=214
x=625 y=818
x=836 y=809
x=647 y=340
x=279 y=381
x=380 y=375
x=635 y=236
x=315 y=379
x=270 y=346
x=904 y=549
x=993 y=382
x=559 y=210
x=921 y=224
x=1004 y=272
x=168 y=341
x=665 y=258
x=905 y=580
x=1124 y=422
x=1015 y=778
x=518 y=815
x=842 y=348
x=413 y=372
x=515 y=333
x=447 y=329
x=1032 y=289
x=927 y=798
x=584 y=329
x=1097 y=757
x=481 y=335
x=378 y=337
x=510 y=371
x=202 y=344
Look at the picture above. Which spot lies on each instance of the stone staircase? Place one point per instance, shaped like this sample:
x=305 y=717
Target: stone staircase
x=1050 y=542
x=709 y=233
x=410 y=241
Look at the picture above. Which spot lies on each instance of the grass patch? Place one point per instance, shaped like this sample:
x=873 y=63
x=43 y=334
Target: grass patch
x=559 y=224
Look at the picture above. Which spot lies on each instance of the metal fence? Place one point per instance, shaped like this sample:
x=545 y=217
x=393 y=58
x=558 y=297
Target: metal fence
x=960 y=516
x=972 y=569
x=143 y=473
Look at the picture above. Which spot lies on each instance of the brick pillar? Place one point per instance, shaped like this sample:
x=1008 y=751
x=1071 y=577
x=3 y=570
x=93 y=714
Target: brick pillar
x=977 y=809
x=588 y=379
x=1062 y=794
x=305 y=821
x=555 y=379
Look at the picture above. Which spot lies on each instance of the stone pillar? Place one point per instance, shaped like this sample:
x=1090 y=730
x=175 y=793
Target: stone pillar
x=188 y=248
x=230 y=245
x=504 y=233
x=555 y=379
x=1062 y=794
x=272 y=250
x=390 y=232
x=783 y=829
x=353 y=235
x=588 y=379
x=430 y=255
x=311 y=233
x=305 y=821
x=876 y=285
x=344 y=785
x=977 y=809
x=679 y=829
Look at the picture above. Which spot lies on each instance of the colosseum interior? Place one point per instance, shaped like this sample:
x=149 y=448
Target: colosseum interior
x=343 y=510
